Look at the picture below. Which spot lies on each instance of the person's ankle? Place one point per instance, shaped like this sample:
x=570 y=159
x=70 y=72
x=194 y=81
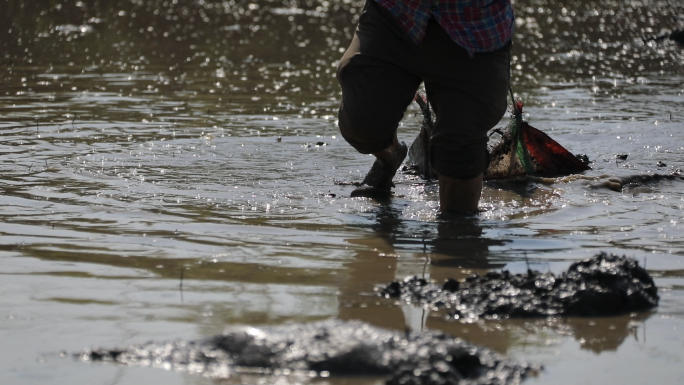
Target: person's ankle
x=392 y=157
x=385 y=167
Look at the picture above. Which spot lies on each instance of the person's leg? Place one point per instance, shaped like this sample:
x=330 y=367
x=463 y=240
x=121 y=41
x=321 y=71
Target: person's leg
x=459 y=195
x=460 y=160
x=469 y=97
x=380 y=176
x=458 y=145
x=377 y=86
x=375 y=95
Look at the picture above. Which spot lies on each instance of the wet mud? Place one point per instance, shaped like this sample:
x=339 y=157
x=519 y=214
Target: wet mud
x=611 y=182
x=604 y=285
x=145 y=139
x=630 y=181
x=327 y=348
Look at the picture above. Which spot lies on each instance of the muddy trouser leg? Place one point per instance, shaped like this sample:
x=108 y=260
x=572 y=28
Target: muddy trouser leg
x=375 y=95
x=469 y=97
x=381 y=71
x=377 y=82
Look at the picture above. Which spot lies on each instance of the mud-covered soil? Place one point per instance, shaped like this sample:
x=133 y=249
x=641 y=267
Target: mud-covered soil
x=603 y=285
x=629 y=181
x=328 y=348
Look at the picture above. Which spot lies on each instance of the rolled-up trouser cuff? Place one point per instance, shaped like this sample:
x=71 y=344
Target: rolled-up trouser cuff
x=368 y=148
x=349 y=131
x=463 y=163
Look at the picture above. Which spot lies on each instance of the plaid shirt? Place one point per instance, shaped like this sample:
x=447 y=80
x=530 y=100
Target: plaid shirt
x=476 y=25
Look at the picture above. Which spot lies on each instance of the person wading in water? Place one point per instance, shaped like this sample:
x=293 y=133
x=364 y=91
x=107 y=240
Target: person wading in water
x=460 y=50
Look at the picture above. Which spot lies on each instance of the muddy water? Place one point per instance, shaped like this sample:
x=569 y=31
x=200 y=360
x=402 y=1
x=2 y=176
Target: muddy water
x=168 y=168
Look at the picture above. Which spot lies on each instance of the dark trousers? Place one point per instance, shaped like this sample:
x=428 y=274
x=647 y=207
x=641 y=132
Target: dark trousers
x=381 y=71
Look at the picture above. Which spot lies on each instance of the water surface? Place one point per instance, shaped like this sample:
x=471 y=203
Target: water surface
x=147 y=142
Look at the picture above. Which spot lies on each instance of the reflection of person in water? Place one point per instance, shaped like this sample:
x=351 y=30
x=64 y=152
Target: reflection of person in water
x=460 y=244
x=606 y=334
x=434 y=250
x=460 y=50
x=450 y=249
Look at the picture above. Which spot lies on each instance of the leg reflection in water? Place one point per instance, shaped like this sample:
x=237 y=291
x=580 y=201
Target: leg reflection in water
x=453 y=248
x=396 y=248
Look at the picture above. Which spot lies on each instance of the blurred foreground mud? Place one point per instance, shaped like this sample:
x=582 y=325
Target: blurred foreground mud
x=327 y=348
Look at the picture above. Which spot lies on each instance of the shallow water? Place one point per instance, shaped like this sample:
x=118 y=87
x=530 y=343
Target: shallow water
x=168 y=168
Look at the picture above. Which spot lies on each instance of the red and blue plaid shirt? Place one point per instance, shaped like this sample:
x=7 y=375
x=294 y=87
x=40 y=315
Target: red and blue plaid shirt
x=476 y=25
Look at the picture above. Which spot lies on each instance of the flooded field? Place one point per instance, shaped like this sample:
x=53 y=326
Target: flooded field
x=172 y=167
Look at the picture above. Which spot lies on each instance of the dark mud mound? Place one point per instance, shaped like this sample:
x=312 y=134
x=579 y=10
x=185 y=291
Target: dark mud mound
x=327 y=348
x=603 y=285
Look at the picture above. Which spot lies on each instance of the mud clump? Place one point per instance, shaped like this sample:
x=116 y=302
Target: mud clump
x=327 y=348
x=619 y=183
x=603 y=285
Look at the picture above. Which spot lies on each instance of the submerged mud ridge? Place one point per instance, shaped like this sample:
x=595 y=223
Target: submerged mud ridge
x=603 y=285
x=327 y=348
x=619 y=183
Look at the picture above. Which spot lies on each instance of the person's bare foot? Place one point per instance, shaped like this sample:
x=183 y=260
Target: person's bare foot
x=378 y=181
